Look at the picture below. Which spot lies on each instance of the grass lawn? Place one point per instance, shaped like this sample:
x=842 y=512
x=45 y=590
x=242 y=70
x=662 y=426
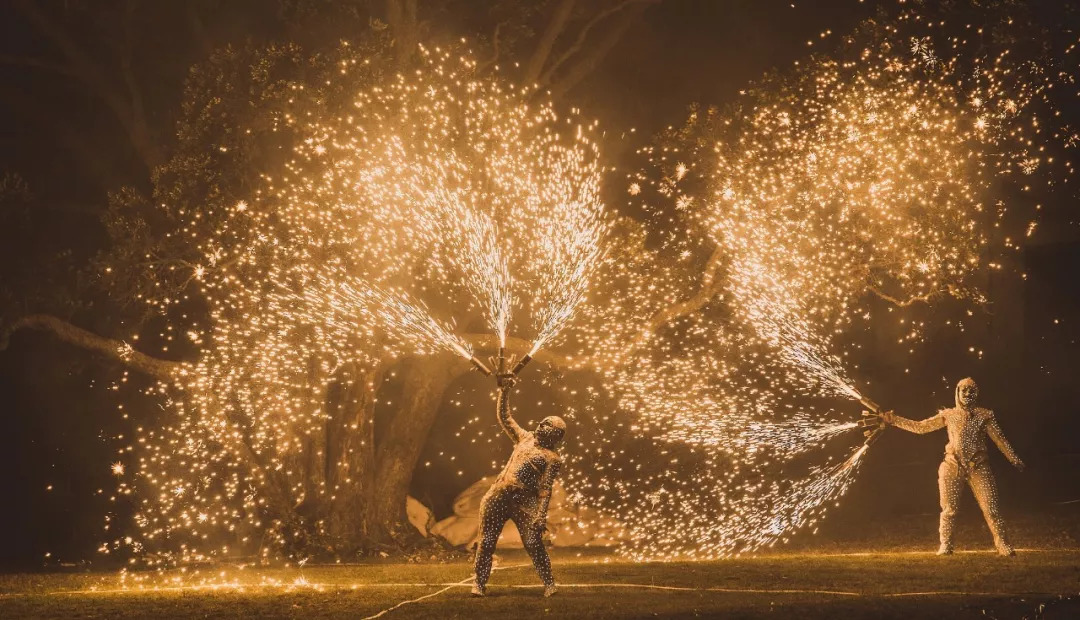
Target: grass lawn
x=594 y=585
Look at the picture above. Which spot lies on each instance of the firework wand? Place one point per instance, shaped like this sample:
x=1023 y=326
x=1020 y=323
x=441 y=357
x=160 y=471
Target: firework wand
x=467 y=354
x=480 y=366
x=525 y=359
x=872 y=421
x=503 y=361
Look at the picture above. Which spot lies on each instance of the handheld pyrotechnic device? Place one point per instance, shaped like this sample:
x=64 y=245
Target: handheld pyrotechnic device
x=503 y=361
x=874 y=424
x=480 y=366
x=525 y=359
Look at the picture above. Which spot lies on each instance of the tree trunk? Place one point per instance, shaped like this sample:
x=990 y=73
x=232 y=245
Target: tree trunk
x=350 y=453
x=401 y=15
x=426 y=381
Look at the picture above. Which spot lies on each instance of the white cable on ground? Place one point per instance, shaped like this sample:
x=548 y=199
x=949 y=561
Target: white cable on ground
x=418 y=599
x=463 y=582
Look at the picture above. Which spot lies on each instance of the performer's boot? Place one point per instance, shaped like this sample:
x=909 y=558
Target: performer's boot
x=550 y=590
x=478 y=590
x=945 y=532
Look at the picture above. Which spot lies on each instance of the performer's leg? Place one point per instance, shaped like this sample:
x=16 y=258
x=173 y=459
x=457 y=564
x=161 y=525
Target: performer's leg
x=493 y=516
x=984 y=487
x=534 y=545
x=949 y=486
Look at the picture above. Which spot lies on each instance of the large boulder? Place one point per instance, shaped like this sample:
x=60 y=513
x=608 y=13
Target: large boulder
x=419 y=515
x=467 y=503
x=572 y=532
x=510 y=537
x=458 y=531
x=569 y=525
x=609 y=533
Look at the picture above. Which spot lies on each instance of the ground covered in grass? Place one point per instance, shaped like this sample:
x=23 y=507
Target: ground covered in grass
x=594 y=585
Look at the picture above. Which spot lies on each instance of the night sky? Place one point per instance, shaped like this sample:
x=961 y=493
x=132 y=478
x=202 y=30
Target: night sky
x=60 y=413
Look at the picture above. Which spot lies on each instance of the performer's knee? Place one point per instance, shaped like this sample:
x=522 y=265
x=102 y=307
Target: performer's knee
x=532 y=543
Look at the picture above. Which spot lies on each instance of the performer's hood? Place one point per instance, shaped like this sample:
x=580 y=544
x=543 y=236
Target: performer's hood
x=551 y=430
x=967 y=392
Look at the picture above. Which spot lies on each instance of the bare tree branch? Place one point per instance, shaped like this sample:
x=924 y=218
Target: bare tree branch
x=38 y=63
x=80 y=65
x=591 y=60
x=495 y=53
x=139 y=126
x=547 y=40
x=697 y=301
x=198 y=28
x=916 y=299
x=120 y=351
x=577 y=45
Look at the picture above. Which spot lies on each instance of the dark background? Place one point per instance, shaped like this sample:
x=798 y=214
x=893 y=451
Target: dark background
x=59 y=411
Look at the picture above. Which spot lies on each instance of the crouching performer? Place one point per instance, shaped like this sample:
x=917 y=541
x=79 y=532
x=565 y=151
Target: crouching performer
x=522 y=491
x=965 y=460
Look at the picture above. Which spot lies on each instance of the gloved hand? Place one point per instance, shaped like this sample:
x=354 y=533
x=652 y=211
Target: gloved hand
x=506 y=381
x=539 y=524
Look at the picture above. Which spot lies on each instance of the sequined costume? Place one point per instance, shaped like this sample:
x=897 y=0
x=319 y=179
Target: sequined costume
x=966 y=459
x=522 y=492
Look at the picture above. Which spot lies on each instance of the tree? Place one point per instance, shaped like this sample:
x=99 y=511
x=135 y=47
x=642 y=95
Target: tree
x=182 y=188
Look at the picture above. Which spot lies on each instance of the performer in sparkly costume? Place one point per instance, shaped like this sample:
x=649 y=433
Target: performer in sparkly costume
x=522 y=491
x=966 y=459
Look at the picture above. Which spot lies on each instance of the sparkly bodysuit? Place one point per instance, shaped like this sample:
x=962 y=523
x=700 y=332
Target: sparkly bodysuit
x=966 y=459
x=520 y=494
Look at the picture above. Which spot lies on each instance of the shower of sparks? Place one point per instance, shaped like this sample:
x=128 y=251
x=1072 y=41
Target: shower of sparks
x=503 y=195
x=766 y=513
x=847 y=186
x=406 y=317
x=429 y=195
x=847 y=190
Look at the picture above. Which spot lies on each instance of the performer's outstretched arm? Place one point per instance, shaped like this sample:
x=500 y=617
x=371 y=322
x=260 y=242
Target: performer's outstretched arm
x=928 y=425
x=999 y=440
x=502 y=407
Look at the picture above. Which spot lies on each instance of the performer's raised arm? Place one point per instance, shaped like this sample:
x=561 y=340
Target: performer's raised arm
x=994 y=431
x=506 y=421
x=928 y=425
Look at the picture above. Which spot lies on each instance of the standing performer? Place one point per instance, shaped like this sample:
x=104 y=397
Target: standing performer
x=965 y=459
x=522 y=491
